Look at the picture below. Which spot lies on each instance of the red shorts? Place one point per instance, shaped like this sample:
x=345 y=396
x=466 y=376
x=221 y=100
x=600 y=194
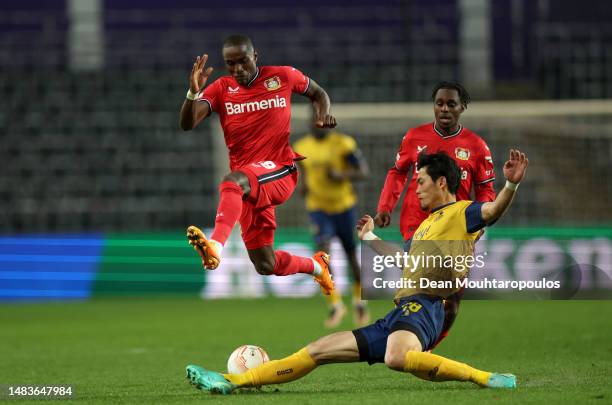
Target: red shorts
x=271 y=185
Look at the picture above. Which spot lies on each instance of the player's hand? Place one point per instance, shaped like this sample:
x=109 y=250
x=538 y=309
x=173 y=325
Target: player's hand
x=516 y=166
x=199 y=75
x=364 y=225
x=382 y=219
x=327 y=121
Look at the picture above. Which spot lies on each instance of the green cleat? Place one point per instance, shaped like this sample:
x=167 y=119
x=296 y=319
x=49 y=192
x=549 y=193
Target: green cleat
x=502 y=381
x=210 y=381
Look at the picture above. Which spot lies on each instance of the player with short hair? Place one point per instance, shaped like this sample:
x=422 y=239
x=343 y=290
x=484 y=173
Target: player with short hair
x=468 y=149
x=333 y=163
x=254 y=108
x=402 y=339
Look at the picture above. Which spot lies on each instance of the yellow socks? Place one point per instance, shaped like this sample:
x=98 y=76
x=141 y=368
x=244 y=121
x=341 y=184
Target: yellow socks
x=432 y=367
x=276 y=371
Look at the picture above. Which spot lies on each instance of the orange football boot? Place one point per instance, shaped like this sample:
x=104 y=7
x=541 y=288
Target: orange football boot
x=206 y=249
x=325 y=279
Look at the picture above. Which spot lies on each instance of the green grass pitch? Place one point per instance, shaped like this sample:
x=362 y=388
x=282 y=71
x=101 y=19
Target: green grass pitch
x=135 y=351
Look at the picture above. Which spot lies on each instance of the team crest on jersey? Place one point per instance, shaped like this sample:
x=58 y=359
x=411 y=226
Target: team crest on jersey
x=462 y=154
x=272 y=83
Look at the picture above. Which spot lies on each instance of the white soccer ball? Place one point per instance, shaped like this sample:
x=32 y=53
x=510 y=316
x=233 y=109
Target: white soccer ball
x=246 y=357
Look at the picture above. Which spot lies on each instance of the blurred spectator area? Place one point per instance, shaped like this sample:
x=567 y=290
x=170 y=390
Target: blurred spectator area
x=102 y=150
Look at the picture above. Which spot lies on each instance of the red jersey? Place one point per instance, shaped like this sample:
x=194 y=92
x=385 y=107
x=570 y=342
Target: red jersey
x=256 y=118
x=469 y=151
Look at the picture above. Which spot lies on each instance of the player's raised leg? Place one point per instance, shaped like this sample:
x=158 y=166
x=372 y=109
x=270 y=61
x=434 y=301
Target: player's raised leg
x=271 y=185
x=250 y=195
x=231 y=190
x=268 y=261
x=339 y=347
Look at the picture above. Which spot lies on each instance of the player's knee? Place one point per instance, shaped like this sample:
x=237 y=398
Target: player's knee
x=316 y=351
x=396 y=359
x=239 y=179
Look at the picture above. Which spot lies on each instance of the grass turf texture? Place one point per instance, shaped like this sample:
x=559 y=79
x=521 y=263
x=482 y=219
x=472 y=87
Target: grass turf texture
x=135 y=350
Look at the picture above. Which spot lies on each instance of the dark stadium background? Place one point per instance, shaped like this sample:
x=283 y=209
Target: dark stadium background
x=98 y=286
x=98 y=182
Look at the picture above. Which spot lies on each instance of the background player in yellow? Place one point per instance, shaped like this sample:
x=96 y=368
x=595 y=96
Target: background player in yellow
x=333 y=162
x=401 y=339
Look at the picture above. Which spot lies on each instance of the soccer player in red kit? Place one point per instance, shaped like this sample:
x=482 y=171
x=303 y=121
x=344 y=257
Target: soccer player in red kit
x=469 y=151
x=446 y=134
x=254 y=108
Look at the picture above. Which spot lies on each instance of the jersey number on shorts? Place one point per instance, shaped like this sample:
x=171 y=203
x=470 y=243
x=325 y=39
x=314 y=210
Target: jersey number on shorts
x=268 y=164
x=411 y=307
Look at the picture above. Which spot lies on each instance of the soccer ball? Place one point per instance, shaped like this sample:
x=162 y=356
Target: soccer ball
x=246 y=357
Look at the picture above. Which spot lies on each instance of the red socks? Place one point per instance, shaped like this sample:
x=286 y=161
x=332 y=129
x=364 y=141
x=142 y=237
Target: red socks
x=287 y=264
x=228 y=212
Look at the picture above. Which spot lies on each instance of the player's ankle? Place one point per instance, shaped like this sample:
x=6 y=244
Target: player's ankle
x=218 y=246
x=317 y=270
x=480 y=377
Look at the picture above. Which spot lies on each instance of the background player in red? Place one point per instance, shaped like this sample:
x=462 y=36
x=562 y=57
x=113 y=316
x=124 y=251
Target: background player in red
x=469 y=151
x=254 y=108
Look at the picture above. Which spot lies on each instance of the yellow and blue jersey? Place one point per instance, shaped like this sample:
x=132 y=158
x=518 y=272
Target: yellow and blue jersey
x=442 y=243
x=332 y=152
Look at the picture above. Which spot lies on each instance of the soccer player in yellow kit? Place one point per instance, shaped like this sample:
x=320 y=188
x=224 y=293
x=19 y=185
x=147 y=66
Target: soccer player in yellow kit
x=401 y=339
x=333 y=162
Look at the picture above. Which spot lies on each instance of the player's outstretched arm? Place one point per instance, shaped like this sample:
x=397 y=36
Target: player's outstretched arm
x=514 y=171
x=365 y=226
x=193 y=112
x=320 y=101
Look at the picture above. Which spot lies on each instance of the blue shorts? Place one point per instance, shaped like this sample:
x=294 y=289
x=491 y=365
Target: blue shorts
x=420 y=314
x=341 y=225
